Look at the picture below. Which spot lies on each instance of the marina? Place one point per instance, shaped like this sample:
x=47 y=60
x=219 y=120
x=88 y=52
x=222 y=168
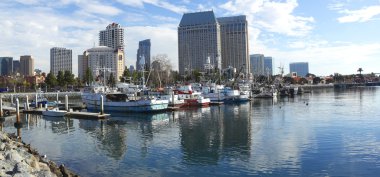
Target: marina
x=304 y=135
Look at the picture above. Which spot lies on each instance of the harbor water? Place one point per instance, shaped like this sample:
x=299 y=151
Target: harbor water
x=325 y=133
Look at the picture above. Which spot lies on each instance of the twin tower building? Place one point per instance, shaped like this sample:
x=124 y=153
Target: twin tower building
x=205 y=41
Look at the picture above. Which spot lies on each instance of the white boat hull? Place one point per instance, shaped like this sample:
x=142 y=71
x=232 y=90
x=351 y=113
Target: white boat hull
x=93 y=102
x=54 y=113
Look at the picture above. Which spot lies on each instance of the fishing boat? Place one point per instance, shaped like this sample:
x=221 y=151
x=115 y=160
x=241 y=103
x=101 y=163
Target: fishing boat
x=267 y=92
x=173 y=99
x=55 y=112
x=116 y=101
x=225 y=94
x=191 y=97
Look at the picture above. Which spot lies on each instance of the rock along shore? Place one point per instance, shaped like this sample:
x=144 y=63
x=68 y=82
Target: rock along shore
x=20 y=160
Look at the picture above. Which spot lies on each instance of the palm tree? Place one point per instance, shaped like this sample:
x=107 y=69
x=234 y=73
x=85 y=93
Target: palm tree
x=360 y=70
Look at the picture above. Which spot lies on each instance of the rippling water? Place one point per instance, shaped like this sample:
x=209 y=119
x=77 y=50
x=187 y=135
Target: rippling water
x=326 y=133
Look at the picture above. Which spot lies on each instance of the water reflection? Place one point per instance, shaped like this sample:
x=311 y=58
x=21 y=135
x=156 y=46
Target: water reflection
x=209 y=134
x=147 y=126
x=336 y=134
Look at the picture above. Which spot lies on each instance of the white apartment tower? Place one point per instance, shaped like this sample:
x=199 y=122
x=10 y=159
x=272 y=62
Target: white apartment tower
x=104 y=60
x=112 y=37
x=60 y=60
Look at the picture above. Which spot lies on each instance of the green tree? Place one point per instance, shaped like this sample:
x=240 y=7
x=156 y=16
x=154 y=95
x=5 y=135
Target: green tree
x=78 y=82
x=51 y=80
x=196 y=75
x=111 y=81
x=126 y=75
x=88 y=78
x=69 y=78
x=61 y=79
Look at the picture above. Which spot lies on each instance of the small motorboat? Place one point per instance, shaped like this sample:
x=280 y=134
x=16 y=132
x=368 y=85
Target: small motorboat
x=55 y=112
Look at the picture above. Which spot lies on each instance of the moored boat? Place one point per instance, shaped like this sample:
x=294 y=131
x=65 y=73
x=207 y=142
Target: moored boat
x=120 y=102
x=55 y=112
x=191 y=97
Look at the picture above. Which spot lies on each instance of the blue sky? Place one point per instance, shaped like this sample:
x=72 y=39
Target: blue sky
x=332 y=35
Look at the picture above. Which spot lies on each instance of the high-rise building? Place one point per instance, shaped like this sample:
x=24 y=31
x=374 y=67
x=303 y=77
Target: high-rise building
x=301 y=68
x=6 y=66
x=112 y=37
x=105 y=60
x=268 y=65
x=143 y=50
x=234 y=42
x=82 y=65
x=257 y=64
x=131 y=68
x=61 y=59
x=26 y=65
x=198 y=40
x=16 y=67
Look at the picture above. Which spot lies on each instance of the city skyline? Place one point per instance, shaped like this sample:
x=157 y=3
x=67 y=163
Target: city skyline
x=337 y=36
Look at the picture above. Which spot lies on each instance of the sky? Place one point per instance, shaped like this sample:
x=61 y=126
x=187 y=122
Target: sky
x=334 y=36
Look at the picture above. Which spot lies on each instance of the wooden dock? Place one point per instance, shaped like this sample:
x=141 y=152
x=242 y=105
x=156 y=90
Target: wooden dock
x=33 y=111
x=216 y=103
x=87 y=115
x=173 y=108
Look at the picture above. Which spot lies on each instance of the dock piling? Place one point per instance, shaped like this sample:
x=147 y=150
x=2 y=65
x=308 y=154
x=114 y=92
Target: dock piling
x=173 y=103
x=17 y=111
x=101 y=105
x=27 y=103
x=66 y=103
x=12 y=99
x=1 y=105
x=36 y=101
x=57 y=97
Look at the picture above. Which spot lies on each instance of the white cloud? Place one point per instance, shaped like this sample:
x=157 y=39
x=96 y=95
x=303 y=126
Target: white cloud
x=159 y=3
x=362 y=15
x=101 y=9
x=272 y=16
x=25 y=34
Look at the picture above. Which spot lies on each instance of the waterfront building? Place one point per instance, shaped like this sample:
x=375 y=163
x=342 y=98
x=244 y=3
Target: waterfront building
x=257 y=64
x=234 y=42
x=61 y=59
x=112 y=36
x=6 y=66
x=82 y=65
x=26 y=65
x=301 y=68
x=268 y=66
x=16 y=67
x=143 y=50
x=105 y=60
x=198 y=39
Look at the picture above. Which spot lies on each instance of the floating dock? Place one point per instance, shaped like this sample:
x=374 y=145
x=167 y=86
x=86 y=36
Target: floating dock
x=87 y=115
x=216 y=103
x=173 y=108
x=33 y=111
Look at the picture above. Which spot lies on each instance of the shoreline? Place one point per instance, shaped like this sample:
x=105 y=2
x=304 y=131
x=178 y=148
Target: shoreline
x=20 y=159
